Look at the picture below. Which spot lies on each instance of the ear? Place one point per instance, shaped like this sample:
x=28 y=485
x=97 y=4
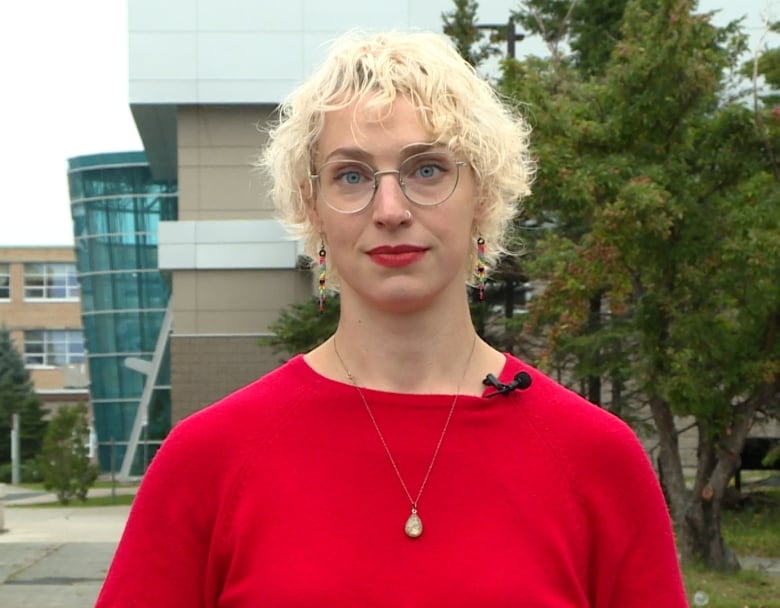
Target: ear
x=310 y=205
x=480 y=209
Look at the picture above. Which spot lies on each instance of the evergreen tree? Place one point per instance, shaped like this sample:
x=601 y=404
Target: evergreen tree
x=654 y=230
x=64 y=459
x=658 y=218
x=766 y=64
x=17 y=396
x=493 y=317
x=301 y=326
x=595 y=31
x=461 y=25
x=591 y=28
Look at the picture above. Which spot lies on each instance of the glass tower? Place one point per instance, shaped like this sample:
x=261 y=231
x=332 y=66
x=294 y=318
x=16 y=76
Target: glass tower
x=116 y=206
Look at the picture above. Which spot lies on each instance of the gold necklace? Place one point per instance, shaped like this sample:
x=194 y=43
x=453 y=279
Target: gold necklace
x=413 y=526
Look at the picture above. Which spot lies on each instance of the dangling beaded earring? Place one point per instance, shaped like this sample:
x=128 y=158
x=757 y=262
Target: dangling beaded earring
x=322 y=275
x=481 y=267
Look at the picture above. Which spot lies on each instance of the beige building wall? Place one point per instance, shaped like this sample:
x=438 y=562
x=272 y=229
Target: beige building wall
x=54 y=385
x=217 y=146
x=220 y=314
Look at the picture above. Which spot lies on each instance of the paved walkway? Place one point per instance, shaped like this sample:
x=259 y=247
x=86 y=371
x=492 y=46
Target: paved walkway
x=55 y=557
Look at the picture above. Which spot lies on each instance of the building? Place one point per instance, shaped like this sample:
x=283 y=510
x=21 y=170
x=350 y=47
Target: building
x=203 y=76
x=117 y=206
x=40 y=305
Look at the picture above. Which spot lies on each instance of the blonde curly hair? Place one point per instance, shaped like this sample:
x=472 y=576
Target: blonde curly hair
x=461 y=109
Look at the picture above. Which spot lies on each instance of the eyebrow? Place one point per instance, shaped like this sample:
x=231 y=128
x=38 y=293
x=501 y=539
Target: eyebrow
x=358 y=153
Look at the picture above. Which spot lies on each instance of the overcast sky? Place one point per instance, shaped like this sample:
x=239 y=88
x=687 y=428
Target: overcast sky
x=64 y=65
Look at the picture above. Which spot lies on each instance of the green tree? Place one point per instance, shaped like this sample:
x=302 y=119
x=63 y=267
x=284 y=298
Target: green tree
x=461 y=25
x=64 y=459
x=766 y=64
x=493 y=317
x=654 y=231
x=17 y=396
x=301 y=326
x=591 y=28
x=595 y=30
x=657 y=237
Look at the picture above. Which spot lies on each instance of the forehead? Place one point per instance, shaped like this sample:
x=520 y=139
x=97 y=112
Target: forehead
x=376 y=128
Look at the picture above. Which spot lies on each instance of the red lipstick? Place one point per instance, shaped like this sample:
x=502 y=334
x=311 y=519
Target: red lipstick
x=396 y=256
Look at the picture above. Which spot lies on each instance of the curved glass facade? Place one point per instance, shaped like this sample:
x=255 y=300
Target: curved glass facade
x=116 y=207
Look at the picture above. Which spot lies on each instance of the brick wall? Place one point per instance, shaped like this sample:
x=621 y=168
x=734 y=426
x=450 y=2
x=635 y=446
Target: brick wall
x=206 y=368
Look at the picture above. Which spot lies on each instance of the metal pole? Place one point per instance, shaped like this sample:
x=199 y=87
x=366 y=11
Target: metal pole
x=15 y=477
x=511 y=36
x=2 y=507
x=145 y=463
x=113 y=471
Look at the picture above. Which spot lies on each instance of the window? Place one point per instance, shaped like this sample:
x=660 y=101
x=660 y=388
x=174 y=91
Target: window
x=5 y=281
x=53 y=347
x=50 y=282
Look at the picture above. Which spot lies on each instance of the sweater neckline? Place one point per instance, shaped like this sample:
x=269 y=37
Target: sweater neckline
x=312 y=378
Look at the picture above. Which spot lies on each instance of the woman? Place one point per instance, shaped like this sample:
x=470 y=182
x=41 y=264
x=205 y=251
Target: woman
x=404 y=462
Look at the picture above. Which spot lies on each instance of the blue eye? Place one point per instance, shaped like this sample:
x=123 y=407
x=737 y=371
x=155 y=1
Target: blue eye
x=427 y=170
x=351 y=177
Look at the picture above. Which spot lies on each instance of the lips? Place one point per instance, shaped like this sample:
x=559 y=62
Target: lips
x=396 y=256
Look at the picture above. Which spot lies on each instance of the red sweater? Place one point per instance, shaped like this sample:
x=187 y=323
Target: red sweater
x=282 y=495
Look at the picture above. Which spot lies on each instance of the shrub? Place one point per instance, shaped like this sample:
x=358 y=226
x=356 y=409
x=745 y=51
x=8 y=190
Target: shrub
x=64 y=459
x=29 y=472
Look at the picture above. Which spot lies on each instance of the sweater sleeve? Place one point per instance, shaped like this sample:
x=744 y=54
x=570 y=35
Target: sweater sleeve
x=630 y=555
x=633 y=557
x=162 y=558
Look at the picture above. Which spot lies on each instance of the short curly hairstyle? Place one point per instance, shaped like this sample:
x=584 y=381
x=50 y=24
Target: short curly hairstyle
x=461 y=109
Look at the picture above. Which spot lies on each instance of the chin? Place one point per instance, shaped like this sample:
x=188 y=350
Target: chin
x=403 y=300
x=400 y=294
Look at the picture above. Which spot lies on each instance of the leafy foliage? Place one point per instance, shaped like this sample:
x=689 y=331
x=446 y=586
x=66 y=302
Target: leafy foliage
x=461 y=25
x=17 y=396
x=766 y=65
x=29 y=472
x=595 y=30
x=505 y=293
x=653 y=235
x=64 y=459
x=657 y=236
x=301 y=326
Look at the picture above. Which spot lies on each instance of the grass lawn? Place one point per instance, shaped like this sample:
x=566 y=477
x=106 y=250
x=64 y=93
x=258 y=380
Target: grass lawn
x=754 y=528
x=92 y=501
x=743 y=589
x=751 y=529
x=100 y=483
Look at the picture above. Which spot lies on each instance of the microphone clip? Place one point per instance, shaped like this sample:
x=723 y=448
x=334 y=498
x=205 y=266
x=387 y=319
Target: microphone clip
x=521 y=382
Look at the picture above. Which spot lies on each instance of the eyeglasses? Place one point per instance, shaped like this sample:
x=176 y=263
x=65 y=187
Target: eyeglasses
x=427 y=179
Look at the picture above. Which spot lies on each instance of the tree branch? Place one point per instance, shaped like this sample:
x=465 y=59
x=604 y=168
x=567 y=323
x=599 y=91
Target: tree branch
x=762 y=130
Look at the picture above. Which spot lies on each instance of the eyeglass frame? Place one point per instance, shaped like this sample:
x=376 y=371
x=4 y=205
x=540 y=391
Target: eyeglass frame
x=376 y=173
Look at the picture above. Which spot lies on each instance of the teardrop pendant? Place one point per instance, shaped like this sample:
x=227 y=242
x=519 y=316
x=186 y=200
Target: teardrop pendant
x=413 y=527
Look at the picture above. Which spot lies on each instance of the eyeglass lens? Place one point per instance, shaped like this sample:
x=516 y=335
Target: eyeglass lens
x=429 y=178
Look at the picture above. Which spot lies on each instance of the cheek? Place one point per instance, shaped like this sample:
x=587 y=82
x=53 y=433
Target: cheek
x=340 y=233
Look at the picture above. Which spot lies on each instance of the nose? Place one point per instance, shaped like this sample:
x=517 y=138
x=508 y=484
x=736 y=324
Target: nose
x=390 y=205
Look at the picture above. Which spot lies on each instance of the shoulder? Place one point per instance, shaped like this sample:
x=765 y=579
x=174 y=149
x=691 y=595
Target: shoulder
x=206 y=451
x=599 y=453
x=249 y=408
x=222 y=434
x=569 y=423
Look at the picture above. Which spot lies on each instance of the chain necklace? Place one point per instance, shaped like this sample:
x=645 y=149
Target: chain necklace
x=413 y=527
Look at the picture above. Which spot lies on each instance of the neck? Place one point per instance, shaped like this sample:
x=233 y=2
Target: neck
x=430 y=351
